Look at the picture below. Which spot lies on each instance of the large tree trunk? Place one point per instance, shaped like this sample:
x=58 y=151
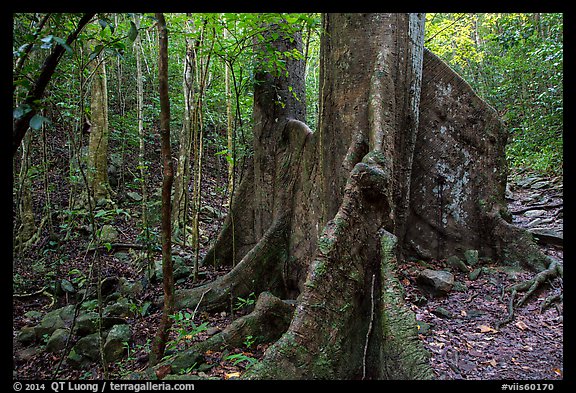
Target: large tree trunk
x=322 y=217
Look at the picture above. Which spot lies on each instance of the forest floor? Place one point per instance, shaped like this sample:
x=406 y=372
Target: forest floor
x=459 y=330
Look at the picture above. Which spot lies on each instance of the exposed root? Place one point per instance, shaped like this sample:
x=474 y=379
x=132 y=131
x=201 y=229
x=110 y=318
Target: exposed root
x=42 y=291
x=269 y=320
x=259 y=270
x=554 y=270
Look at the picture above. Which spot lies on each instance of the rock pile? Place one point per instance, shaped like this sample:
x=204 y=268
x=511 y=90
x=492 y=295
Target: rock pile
x=80 y=327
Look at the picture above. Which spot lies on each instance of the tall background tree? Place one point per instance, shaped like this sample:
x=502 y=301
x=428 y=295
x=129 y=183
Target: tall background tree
x=159 y=342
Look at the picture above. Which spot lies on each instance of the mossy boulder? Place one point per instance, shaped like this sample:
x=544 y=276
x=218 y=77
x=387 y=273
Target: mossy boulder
x=49 y=324
x=57 y=340
x=115 y=345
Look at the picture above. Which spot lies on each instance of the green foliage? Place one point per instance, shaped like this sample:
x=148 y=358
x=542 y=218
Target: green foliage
x=77 y=277
x=249 y=341
x=245 y=302
x=185 y=329
x=242 y=359
x=515 y=62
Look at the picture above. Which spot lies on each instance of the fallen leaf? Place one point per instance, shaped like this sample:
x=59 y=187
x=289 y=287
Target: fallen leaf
x=558 y=372
x=521 y=325
x=162 y=371
x=487 y=329
x=232 y=375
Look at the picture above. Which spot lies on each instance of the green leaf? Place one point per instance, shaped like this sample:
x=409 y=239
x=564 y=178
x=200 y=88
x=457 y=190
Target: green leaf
x=37 y=121
x=21 y=111
x=133 y=33
x=67 y=286
x=47 y=42
x=145 y=307
x=64 y=44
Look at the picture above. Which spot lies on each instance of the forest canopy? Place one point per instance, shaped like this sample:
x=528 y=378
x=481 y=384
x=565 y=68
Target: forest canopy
x=514 y=61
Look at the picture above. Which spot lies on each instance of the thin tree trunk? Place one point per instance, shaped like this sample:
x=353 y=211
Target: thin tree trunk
x=203 y=73
x=98 y=144
x=182 y=178
x=159 y=342
x=142 y=165
x=27 y=226
x=229 y=126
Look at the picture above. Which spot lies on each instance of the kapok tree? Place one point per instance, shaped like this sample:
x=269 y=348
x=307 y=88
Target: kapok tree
x=407 y=161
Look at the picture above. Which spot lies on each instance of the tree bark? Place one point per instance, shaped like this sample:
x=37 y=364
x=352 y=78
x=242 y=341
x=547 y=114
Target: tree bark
x=98 y=143
x=141 y=136
x=159 y=343
x=182 y=179
x=368 y=123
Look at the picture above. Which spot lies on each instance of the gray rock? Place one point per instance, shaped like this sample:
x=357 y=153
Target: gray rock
x=120 y=309
x=114 y=347
x=57 y=340
x=26 y=354
x=535 y=213
x=471 y=257
x=67 y=313
x=122 y=256
x=131 y=289
x=539 y=185
x=527 y=181
x=88 y=347
x=456 y=263
x=108 y=234
x=474 y=274
x=134 y=196
x=33 y=315
x=86 y=323
x=436 y=282
x=27 y=335
x=180 y=269
x=186 y=359
x=547 y=235
x=423 y=327
x=442 y=312
x=210 y=212
x=49 y=324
